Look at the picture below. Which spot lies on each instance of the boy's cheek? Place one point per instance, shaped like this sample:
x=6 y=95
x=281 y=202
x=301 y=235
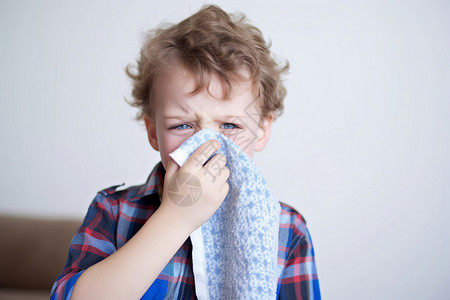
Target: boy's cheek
x=245 y=140
x=175 y=140
x=170 y=143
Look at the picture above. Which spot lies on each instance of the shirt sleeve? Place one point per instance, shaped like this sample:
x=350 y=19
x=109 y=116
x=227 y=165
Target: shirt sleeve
x=299 y=277
x=94 y=241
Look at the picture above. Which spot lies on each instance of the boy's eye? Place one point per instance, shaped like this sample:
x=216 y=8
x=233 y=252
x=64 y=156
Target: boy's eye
x=229 y=126
x=181 y=127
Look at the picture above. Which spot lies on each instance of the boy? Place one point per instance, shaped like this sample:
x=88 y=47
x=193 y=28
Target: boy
x=214 y=71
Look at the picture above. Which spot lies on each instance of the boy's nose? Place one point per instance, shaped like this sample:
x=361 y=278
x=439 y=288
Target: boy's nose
x=210 y=125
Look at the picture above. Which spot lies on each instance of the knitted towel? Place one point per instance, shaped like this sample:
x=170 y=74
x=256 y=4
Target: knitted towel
x=235 y=252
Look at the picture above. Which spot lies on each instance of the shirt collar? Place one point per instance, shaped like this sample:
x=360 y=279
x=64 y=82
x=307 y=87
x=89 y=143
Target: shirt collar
x=154 y=182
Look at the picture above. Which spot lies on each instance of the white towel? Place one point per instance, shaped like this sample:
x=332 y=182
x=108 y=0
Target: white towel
x=235 y=252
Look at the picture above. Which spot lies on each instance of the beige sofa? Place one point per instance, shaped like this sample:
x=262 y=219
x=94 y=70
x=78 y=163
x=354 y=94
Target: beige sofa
x=32 y=254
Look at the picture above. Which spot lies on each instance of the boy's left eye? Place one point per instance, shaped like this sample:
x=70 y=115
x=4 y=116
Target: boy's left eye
x=229 y=126
x=181 y=127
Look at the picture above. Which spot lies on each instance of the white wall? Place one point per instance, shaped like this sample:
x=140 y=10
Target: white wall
x=362 y=150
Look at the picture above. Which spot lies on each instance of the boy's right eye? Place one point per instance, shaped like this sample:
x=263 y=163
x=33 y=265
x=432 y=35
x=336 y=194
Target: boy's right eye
x=181 y=127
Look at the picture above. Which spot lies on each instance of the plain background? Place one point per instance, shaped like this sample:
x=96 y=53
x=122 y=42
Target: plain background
x=362 y=150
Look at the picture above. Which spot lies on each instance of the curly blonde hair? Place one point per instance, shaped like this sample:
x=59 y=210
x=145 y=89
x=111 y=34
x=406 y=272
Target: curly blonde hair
x=209 y=42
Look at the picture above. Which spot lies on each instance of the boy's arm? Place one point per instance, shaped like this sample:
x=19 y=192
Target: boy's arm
x=128 y=272
x=299 y=277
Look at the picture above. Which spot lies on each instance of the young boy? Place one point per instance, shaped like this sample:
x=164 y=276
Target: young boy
x=212 y=70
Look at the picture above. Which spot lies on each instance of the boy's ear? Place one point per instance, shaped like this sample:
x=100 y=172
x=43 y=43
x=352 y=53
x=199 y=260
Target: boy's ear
x=151 y=132
x=264 y=133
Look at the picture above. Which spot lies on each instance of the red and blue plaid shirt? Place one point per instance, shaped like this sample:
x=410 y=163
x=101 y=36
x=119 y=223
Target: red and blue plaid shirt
x=115 y=216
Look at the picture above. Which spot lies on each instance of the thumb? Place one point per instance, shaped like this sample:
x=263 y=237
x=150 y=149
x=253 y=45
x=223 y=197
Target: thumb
x=171 y=168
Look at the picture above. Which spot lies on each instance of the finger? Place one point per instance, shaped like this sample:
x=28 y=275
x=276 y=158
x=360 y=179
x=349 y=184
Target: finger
x=220 y=177
x=224 y=190
x=223 y=174
x=201 y=155
x=171 y=167
x=215 y=164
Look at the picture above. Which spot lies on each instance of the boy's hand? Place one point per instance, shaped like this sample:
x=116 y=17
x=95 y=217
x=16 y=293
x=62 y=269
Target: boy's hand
x=193 y=192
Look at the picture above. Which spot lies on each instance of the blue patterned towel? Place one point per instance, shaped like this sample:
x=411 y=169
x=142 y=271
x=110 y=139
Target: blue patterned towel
x=235 y=252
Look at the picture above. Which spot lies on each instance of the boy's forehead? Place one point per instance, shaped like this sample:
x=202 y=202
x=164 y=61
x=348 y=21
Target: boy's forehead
x=173 y=97
x=176 y=81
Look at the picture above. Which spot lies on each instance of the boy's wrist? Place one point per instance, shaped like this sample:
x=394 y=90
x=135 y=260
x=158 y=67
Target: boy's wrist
x=172 y=221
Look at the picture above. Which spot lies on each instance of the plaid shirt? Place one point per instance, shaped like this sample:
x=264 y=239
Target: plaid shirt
x=115 y=216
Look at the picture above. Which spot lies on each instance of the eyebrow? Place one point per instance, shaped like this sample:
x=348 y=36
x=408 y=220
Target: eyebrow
x=221 y=117
x=184 y=109
x=234 y=117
